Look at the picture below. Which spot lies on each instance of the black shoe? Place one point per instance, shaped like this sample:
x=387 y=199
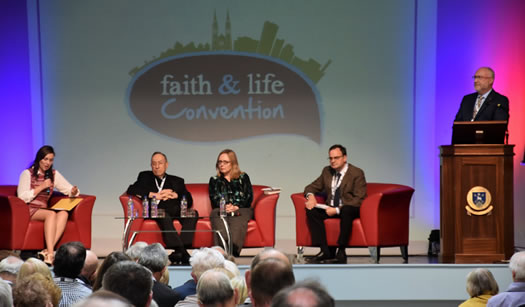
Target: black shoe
x=341 y=256
x=322 y=257
x=185 y=258
x=175 y=258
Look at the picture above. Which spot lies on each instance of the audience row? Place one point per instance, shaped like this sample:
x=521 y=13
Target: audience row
x=140 y=278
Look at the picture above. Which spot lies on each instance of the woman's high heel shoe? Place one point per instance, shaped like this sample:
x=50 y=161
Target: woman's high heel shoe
x=48 y=259
x=42 y=254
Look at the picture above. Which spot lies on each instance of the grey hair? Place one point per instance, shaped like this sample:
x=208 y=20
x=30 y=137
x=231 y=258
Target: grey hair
x=11 y=264
x=205 y=259
x=154 y=257
x=214 y=288
x=135 y=250
x=481 y=281
x=517 y=266
x=6 y=297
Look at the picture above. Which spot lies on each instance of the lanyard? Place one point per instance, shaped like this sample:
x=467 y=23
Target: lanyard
x=161 y=184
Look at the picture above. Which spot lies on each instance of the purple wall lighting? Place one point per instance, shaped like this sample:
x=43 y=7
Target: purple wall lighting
x=16 y=136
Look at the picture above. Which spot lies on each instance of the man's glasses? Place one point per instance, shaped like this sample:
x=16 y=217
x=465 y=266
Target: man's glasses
x=480 y=77
x=334 y=158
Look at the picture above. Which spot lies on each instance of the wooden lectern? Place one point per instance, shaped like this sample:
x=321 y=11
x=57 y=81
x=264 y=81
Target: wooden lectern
x=477 y=214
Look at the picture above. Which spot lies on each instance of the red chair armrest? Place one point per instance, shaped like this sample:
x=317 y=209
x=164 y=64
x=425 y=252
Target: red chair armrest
x=14 y=223
x=302 y=232
x=264 y=215
x=81 y=215
x=385 y=214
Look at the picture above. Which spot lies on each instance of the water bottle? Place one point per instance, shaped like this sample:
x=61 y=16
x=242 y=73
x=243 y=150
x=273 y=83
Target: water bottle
x=222 y=207
x=130 y=207
x=145 y=206
x=183 y=206
x=154 y=207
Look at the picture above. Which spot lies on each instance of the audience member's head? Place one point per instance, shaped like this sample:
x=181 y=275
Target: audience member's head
x=111 y=259
x=307 y=293
x=269 y=253
x=239 y=284
x=223 y=253
x=131 y=280
x=517 y=266
x=69 y=259
x=480 y=281
x=90 y=266
x=4 y=253
x=33 y=265
x=232 y=267
x=214 y=289
x=155 y=258
x=6 y=296
x=104 y=298
x=205 y=259
x=9 y=268
x=264 y=254
x=267 y=278
x=135 y=250
x=36 y=290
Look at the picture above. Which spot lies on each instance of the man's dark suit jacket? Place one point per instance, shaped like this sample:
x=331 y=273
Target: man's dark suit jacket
x=188 y=288
x=353 y=186
x=164 y=296
x=495 y=107
x=146 y=183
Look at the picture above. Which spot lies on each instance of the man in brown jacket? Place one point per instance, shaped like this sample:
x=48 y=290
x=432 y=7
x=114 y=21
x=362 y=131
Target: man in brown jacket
x=345 y=188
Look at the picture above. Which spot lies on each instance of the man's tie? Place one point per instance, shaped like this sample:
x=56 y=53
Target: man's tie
x=477 y=106
x=337 y=193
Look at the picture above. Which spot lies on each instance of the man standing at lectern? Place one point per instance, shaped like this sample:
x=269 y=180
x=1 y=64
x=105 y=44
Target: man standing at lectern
x=345 y=188
x=485 y=103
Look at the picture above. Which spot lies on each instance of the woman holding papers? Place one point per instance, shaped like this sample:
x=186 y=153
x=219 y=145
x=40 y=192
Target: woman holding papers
x=235 y=189
x=35 y=187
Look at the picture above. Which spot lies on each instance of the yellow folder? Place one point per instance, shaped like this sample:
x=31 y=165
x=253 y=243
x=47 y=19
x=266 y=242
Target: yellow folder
x=67 y=203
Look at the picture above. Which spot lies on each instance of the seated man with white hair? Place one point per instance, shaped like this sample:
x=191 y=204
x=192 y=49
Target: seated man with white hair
x=9 y=268
x=515 y=294
x=201 y=260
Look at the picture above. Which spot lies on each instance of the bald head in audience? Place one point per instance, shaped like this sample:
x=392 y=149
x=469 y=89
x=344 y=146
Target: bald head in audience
x=267 y=278
x=306 y=293
x=104 y=298
x=264 y=254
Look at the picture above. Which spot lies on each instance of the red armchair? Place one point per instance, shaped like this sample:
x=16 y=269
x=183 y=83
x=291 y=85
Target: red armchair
x=260 y=233
x=383 y=222
x=20 y=233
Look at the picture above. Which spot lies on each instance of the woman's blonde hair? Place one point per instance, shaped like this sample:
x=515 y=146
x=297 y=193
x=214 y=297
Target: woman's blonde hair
x=33 y=265
x=481 y=281
x=236 y=171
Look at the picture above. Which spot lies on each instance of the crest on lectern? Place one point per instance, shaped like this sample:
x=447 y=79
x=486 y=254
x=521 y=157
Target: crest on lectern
x=479 y=199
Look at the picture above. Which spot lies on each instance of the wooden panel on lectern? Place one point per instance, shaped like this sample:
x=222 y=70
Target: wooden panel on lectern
x=469 y=236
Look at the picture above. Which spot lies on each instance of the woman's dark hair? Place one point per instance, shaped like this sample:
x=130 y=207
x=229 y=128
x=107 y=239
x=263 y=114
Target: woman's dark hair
x=111 y=259
x=41 y=153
